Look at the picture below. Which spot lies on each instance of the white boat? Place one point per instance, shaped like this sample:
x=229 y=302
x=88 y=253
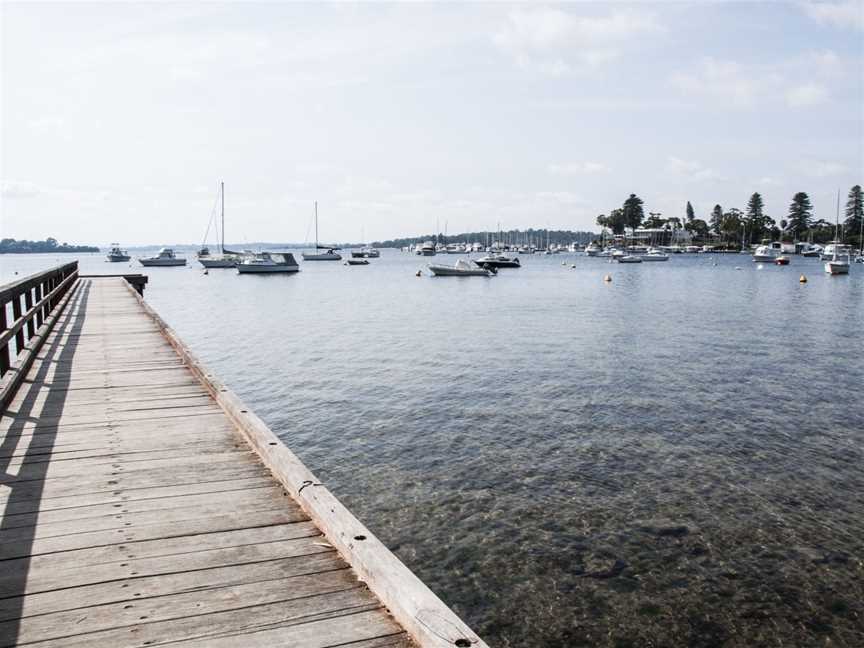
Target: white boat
x=836 y=247
x=654 y=254
x=692 y=249
x=767 y=252
x=427 y=248
x=455 y=248
x=841 y=254
x=495 y=261
x=330 y=255
x=812 y=250
x=116 y=255
x=268 y=263
x=165 y=257
x=628 y=258
x=366 y=253
x=227 y=258
x=461 y=269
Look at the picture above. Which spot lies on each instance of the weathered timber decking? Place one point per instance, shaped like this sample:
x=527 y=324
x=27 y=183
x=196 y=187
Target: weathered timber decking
x=143 y=504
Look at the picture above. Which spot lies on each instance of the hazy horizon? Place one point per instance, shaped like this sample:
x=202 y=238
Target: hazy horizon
x=120 y=120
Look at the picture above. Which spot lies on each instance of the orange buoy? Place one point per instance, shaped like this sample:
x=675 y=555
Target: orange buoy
x=802 y=279
x=607 y=278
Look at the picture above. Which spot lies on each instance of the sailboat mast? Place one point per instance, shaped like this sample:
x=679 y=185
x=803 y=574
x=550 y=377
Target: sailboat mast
x=316 y=224
x=223 y=217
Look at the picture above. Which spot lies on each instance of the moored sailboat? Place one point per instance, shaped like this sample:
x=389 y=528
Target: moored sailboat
x=228 y=259
x=330 y=255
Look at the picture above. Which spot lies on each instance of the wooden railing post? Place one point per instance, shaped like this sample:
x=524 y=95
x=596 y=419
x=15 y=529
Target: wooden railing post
x=28 y=304
x=4 y=349
x=16 y=314
x=39 y=313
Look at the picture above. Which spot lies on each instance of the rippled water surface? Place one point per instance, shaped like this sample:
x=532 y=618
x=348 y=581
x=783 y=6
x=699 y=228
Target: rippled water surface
x=673 y=458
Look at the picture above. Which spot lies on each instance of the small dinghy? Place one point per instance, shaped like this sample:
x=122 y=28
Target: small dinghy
x=353 y=261
x=461 y=269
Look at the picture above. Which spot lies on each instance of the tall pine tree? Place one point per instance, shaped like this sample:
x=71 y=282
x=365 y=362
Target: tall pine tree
x=854 y=213
x=800 y=215
x=691 y=215
x=716 y=219
x=757 y=222
x=633 y=214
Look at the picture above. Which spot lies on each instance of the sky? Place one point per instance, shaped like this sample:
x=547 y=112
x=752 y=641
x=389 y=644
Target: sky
x=119 y=120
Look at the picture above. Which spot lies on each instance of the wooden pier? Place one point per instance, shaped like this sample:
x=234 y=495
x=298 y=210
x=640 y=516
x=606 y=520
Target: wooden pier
x=144 y=504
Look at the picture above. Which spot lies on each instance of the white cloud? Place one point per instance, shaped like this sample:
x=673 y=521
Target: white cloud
x=554 y=41
x=823 y=168
x=578 y=168
x=847 y=13
x=751 y=85
x=12 y=189
x=691 y=169
x=807 y=94
x=726 y=81
x=560 y=197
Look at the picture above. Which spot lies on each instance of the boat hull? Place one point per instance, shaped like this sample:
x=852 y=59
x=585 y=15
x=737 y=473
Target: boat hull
x=358 y=262
x=161 y=263
x=655 y=257
x=218 y=263
x=266 y=269
x=447 y=271
x=327 y=256
x=834 y=268
x=119 y=259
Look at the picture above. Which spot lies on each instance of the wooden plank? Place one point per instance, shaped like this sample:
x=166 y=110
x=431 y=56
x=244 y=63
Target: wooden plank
x=262 y=497
x=186 y=604
x=164 y=494
x=319 y=614
x=104 y=564
x=145 y=587
x=37 y=539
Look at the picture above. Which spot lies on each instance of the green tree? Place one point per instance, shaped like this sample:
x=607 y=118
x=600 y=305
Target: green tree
x=616 y=221
x=854 y=213
x=632 y=212
x=731 y=224
x=698 y=229
x=690 y=213
x=758 y=223
x=716 y=219
x=800 y=215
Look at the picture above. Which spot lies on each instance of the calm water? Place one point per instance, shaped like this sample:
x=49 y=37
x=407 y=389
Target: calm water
x=673 y=458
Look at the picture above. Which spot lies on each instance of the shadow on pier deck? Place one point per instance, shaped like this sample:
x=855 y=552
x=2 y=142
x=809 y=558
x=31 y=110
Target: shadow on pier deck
x=145 y=504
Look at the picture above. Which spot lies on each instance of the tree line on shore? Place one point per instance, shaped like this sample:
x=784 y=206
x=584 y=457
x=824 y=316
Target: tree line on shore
x=736 y=227
x=537 y=237
x=23 y=246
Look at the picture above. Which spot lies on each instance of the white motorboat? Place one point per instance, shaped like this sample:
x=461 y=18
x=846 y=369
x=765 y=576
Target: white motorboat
x=837 y=265
x=835 y=247
x=165 y=257
x=654 y=254
x=461 y=269
x=812 y=250
x=427 y=248
x=628 y=258
x=366 y=253
x=767 y=252
x=329 y=255
x=495 y=261
x=116 y=255
x=692 y=249
x=268 y=263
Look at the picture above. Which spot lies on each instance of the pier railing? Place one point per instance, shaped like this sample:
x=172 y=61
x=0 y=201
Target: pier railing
x=28 y=310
